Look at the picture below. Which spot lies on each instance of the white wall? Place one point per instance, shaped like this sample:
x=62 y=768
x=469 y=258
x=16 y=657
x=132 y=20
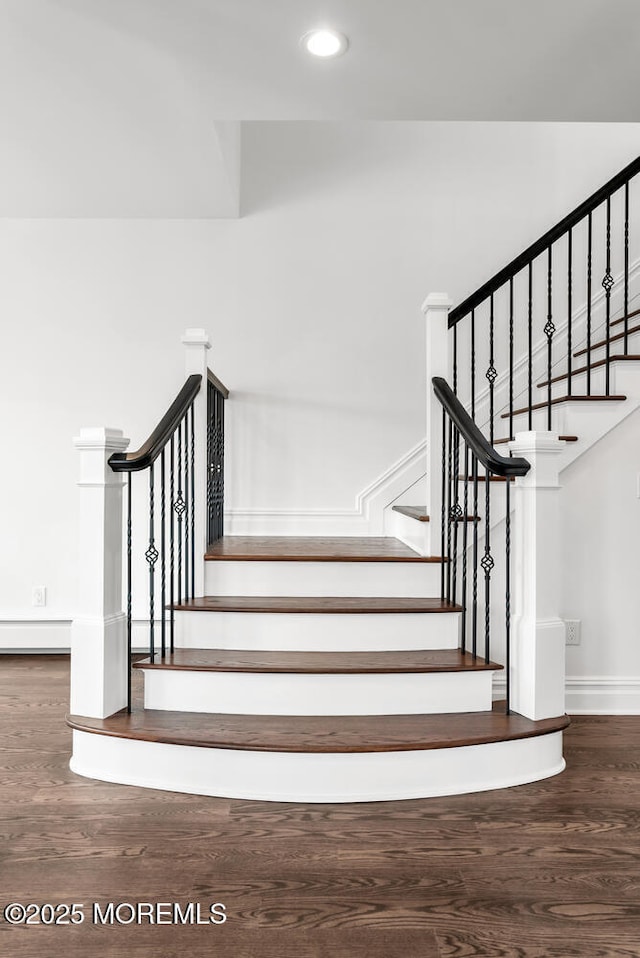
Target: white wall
x=312 y=300
x=601 y=567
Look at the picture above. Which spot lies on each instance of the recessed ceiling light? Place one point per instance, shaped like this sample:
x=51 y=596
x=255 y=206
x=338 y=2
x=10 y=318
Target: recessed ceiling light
x=324 y=43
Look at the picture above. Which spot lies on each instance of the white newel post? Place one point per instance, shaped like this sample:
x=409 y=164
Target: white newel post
x=98 y=633
x=196 y=344
x=436 y=310
x=538 y=632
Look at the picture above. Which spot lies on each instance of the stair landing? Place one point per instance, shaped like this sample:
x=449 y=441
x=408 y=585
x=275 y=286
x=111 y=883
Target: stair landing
x=313 y=549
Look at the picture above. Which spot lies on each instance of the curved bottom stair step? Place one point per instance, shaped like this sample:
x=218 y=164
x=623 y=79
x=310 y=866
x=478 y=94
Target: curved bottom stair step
x=254 y=682
x=318 y=758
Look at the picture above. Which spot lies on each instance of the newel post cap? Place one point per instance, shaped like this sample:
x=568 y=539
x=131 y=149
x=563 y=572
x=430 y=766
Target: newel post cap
x=101 y=437
x=437 y=301
x=196 y=337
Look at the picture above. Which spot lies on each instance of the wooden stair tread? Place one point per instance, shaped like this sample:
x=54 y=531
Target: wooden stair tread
x=603 y=342
x=583 y=369
x=313 y=549
x=561 y=399
x=499 y=442
x=321 y=663
x=616 y=322
x=413 y=512
x=311 y=604
x=319 y=733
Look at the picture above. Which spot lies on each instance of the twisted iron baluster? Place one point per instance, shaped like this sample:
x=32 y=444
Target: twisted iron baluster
x=151 y=555
x=487 y=564
x=549 y=330
x=491 y=373
x=607 y=285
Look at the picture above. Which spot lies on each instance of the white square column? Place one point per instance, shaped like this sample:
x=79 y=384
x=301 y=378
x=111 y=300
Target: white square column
x=99 y=664
x=538 y=632
x=436 y=311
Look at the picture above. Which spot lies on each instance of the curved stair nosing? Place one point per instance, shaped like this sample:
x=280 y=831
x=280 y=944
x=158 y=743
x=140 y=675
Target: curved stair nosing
x=313 y=777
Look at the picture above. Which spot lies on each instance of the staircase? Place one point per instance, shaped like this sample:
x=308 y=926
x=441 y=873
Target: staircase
x=364 y=669
x=281 y=692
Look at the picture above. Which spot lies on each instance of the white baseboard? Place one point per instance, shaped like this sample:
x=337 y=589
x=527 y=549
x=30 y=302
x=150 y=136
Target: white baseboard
x=593 y=694
x=19 y=634
x=603 y=695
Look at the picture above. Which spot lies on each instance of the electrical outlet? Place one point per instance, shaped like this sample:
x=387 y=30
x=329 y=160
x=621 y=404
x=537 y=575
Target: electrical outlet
x=39 y=595
x=572 y=635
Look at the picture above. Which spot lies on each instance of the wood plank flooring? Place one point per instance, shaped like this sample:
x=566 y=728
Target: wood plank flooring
x=549 y=870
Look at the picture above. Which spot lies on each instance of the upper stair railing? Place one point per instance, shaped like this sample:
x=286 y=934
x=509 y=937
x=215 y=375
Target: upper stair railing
x=520 y=329
x=464 y=449
x=169 y=459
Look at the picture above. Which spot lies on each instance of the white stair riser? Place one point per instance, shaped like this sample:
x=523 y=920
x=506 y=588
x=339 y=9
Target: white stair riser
x=306 y=777
x=412 y=532
x=317 y=632
x=244 y=693
x=411 y=579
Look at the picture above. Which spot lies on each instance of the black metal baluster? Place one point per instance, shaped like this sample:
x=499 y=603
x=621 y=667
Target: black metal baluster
x=151 y=556
x=473 y=363
x=530 y=347
x=221 y=468
x=455 y=359
x=456 y=514
x=171 y=542
x=491 y=371
x=163 y=560
x=185 y=526
x=193 y=504
x=129 y=591
x=449 y=503
x=465 y=526
x=569 y=308
x=487 y=565
x=210 y=532
x=607 y=284
x=474 y=601
x=507 y=612
x=179 y=510
x=443 y=505
x=549 y=330
x=626 y=268
x=511 y=358
x=589 y=264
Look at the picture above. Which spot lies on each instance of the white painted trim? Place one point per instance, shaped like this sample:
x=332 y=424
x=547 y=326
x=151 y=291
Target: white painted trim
x=603 y=695
x=24 y=633
x=365 y=518
x=306 y=777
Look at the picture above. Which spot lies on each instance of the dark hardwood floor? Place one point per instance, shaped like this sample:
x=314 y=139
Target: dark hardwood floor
x=550 y=870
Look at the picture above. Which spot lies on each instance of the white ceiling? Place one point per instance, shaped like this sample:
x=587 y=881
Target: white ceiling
x=107 y=107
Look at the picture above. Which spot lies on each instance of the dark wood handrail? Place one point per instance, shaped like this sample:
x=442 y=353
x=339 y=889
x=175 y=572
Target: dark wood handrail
x=533 y=251
x=213 y=379
x=151 y=449
x=492 y=461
